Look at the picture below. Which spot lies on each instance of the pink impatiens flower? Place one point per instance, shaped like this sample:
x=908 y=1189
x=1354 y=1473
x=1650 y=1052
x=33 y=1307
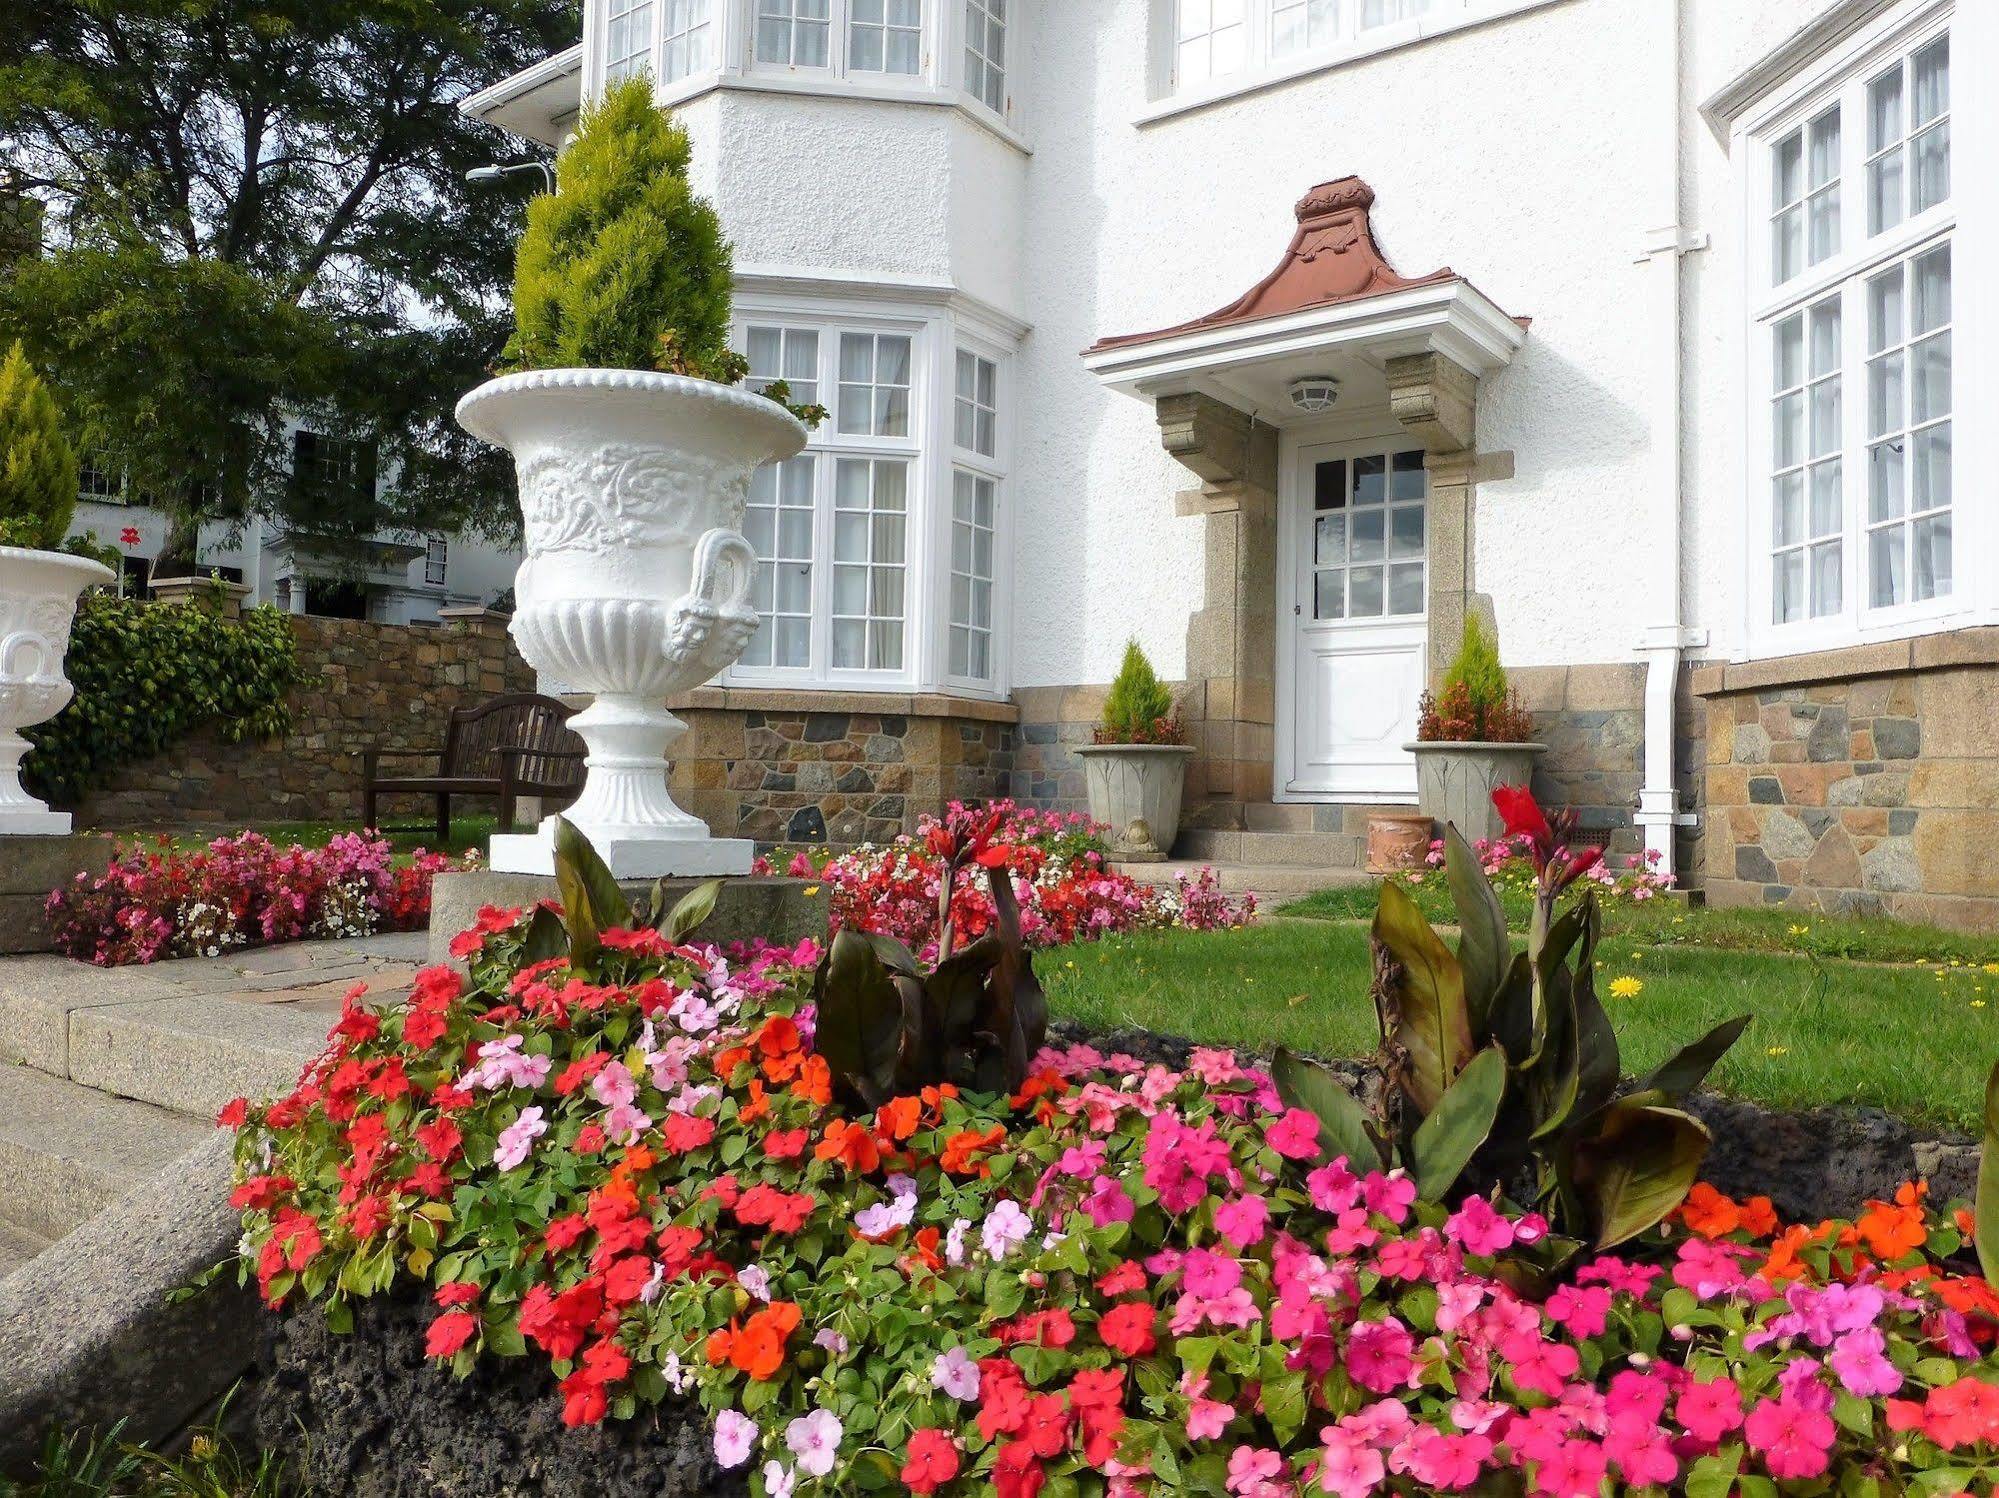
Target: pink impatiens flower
x=735 y=1438
x=518 y=1137
x=1253 y=1473
x=1243 y=1221
x=1794 y=1442
x=1295 y=1136
x=1349 y=1467
x=815 y=1440
x=1380 y=1355
x=1709 y=1411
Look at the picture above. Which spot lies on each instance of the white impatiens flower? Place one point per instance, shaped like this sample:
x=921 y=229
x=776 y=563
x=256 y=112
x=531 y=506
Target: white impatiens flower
x=815 y=1440
x=1006 y=1228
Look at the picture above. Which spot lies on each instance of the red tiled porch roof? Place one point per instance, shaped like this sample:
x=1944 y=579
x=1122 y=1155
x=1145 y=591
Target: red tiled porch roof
x=1332 y=259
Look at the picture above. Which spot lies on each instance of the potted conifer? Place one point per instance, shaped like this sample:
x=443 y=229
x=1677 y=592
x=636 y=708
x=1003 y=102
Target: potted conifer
x=1136 y=769
x=1472 y=736
x=38 y=584
x=634 y=442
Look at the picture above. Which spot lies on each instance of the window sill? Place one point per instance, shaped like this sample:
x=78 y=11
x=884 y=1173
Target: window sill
x=826 y=86
x=1974 y=646
x=1382 y=39
x=840 y=700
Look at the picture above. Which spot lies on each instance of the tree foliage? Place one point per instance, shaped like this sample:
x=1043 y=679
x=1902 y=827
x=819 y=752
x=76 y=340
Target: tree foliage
x=257 y=208
x=37 y=464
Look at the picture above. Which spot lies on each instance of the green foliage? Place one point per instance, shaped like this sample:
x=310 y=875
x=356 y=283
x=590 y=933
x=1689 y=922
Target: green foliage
x=37 y=465
x=624 y=266
x=1474 y=704
x=207 y=1464
x=1986 y=1227
x=888 y=1027
x=592 y=904
x=1139 y=707
x=259 y=207
x=147 y=675
x=1501 y=1069
x=1477 y=666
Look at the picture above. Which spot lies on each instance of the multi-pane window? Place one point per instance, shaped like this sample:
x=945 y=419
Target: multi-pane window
x=885 y=36
x=975 y=407
x=1856 y=327
x=95 y=480
x=974 y=518
x=1908 y=431
x=684 y=44
x=436 y=554
x=874 y=385
x=1908 y=137
x=1368 y=536
x=627 y=38
x=985 y=52
x=795 y=33
x=876 y=515
x=1216 y=39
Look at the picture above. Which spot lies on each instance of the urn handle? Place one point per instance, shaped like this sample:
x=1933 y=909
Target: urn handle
x=712 y=624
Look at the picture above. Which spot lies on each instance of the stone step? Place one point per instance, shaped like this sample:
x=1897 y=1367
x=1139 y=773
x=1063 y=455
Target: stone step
x=68 y=1151
x=1327 y=850
x=17 y=1246
x=1265 y=880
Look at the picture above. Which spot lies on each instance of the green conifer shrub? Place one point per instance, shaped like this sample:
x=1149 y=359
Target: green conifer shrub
x=38 y=468
x=1139 y=707
x=1476 y=704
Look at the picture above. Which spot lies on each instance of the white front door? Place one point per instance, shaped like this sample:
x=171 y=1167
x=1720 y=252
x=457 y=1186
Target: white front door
x=1359 y=530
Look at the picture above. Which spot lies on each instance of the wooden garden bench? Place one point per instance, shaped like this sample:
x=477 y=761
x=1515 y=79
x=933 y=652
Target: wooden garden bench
x=509 y=747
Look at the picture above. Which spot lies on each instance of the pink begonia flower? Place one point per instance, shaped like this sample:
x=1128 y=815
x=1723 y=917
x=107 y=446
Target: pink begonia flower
x=779 y=1480
x=1295 y=1136
x=1253 y=1473
x=1349 y=1467
x=1709 y=1411
x=735 y=1438
x=956 y=1374
x=1795 y=1443
x=1380 y=1356
x=1480 y=1229
x=518 y=1137
x=1243 y=1221
x=1859 y=1360
x=815 y=1440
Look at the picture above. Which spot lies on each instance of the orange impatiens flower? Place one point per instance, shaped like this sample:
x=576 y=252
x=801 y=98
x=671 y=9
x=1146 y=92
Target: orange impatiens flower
x=898 y=1118
x=758 y=1106
x=780 y=1047
x=1895 y=1230
x=815 y=1081
x=850 y=1144
x=1707 y=1213
x=962 y=1148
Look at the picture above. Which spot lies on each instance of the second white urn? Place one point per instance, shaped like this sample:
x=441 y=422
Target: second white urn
x=636 y=582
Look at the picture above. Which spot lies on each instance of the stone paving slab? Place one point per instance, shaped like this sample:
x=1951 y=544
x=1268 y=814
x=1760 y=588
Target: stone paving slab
x=194 y=1052
x=38 y=994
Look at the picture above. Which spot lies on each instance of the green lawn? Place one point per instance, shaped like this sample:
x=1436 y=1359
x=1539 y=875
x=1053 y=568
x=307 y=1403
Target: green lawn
x=1911 y=1038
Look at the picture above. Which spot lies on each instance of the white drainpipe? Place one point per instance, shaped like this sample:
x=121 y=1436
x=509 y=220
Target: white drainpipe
x=1665 y=637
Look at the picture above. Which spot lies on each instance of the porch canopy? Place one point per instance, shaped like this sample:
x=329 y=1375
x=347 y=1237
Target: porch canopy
x=1333 y=319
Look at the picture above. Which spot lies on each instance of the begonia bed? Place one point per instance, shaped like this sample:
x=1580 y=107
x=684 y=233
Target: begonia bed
x=1121 y=1279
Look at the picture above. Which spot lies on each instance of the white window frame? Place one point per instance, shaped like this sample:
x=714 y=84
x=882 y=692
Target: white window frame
x=1264 y=64
x=643 y=60
x=436 y=559
x=979 y=466
x=936 y=333
x=1843 y=73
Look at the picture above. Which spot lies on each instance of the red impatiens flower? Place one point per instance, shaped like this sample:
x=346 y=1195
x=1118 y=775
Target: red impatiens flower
x=1127 y=1328
x=233 y=1114
x=448 y=1333
x=933 y=1461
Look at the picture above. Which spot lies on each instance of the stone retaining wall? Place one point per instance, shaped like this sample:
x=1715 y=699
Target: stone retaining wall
x=836 y=767
x=1861 y=781
x=387 y=686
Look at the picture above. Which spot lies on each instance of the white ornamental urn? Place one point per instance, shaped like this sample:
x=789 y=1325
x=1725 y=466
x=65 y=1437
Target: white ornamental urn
x=636 y=583
x=38 y=592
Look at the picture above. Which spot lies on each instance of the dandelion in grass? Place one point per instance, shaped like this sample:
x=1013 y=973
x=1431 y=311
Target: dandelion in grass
x=1778 y=1050
x=1626 y=987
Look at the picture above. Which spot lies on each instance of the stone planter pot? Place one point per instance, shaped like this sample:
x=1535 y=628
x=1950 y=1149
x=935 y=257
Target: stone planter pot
x=1134 y=789
x=635 y=583
x=38 y=593
x=1455 y=781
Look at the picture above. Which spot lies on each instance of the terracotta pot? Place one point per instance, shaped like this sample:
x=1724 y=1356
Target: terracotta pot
x=1397 y=840
x=1134 y=790
x=1455 y=781
x=636 y=582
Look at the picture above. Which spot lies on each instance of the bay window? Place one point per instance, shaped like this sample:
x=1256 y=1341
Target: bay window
x=877 y=546
x=1215 y=40
x=850 y=37
x=671 y=39
x=627 y=38
x=985 y=53
x=1852 y=335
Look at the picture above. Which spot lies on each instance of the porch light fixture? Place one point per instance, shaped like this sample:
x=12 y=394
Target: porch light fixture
x=1314 y=393
x=480 y=176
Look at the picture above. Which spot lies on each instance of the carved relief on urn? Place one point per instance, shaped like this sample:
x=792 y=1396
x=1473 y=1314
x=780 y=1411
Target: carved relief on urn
x=38 y=592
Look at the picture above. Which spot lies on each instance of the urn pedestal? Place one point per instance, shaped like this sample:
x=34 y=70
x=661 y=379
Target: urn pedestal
x=636 y=583
x=38 y=593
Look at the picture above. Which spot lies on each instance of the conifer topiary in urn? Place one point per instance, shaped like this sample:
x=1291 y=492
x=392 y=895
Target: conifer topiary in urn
x=634 y=441
x=1136 y=769
x=38 y=585
x=1472 y=736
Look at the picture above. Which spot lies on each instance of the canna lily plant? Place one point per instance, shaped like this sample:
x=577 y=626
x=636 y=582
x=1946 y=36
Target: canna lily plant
x=888 y=1027
x=1499 y=1070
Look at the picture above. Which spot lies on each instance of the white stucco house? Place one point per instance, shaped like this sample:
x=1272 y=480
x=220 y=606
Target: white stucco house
x=1134 y=320
x=391 y=578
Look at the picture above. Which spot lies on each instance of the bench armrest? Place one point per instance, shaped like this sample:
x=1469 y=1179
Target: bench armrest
x=371 y=757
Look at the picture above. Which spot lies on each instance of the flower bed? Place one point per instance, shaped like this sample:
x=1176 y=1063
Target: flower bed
x=1067 y=890
x=1121 y=1279
x=1508 y=863
x=241 y=891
